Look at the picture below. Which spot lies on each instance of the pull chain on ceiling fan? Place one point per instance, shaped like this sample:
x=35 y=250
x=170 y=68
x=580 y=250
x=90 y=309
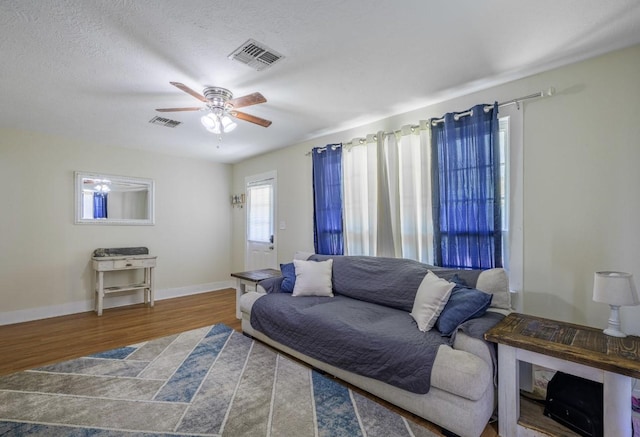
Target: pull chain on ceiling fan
x=221 y=108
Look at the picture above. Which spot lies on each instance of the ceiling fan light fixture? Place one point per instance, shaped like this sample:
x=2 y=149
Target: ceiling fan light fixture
x=218 y=123
x=221 y=107
x=210 y=121
x=227 y=123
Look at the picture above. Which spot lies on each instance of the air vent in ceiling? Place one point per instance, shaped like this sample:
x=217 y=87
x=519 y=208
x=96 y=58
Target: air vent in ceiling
x=164 y=121
x=256 y=55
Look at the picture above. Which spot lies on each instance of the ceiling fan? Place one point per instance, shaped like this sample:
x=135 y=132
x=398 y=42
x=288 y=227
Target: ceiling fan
x=221 y=108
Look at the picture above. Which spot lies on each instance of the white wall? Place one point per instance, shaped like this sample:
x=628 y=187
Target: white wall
x=581 y=207
x=45 y=258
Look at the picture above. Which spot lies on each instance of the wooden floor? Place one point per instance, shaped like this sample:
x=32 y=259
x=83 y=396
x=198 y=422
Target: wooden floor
x=32 y=344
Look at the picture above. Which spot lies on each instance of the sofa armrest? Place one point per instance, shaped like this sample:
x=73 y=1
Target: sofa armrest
x=246 y=303
x=472 y=374
x=247 y=300
x=474 y=346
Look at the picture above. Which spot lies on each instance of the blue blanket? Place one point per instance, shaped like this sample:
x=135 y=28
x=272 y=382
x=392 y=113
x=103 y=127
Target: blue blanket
x=365 y=338
x=366 y=327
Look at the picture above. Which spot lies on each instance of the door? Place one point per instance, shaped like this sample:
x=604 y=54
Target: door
x=261 y=251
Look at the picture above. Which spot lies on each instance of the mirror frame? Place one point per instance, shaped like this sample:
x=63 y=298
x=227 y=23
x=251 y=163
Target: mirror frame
x=79 y=176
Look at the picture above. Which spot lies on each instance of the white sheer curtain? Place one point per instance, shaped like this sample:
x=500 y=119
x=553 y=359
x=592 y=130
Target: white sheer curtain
x=387 y=201
x=360 y=194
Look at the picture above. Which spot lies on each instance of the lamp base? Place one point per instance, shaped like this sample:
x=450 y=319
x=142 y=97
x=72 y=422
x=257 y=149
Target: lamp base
x=613 y=328
x=614 y=333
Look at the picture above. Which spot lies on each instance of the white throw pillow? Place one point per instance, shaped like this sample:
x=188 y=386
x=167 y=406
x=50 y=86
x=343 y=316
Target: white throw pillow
x=496 y=282
x=313 y=278
x=431 y=297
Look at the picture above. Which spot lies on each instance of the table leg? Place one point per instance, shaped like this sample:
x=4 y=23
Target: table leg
x=99 y=292
x=152 y=285
x=146 y=290
x=240 y=290
x=617 y=397
x=508 y=391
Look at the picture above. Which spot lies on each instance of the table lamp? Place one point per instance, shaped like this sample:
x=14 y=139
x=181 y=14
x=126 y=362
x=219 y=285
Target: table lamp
x=616 y=289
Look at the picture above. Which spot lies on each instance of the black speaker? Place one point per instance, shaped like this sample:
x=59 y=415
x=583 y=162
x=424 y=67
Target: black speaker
x=575 y=403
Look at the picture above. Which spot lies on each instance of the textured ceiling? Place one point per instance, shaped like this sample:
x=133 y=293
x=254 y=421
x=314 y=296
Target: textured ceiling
x=96 y=70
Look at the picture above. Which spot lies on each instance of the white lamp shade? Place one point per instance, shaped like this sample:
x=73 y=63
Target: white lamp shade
x=615 y=288
x=227 y=123
x=209 y=121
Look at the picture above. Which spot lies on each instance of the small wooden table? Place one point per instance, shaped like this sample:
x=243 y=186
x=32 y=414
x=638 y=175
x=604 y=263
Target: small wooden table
x=251 y=278
x=574 y=349
x=125 y=262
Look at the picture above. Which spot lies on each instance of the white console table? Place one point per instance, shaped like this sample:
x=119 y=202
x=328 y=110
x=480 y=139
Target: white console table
x=127 y=262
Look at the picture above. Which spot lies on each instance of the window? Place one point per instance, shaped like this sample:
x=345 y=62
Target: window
x=466 y=189
x=503 y=144
x=259 y=212
x=361 y=198
x=510 y=132
x=386 y=200
x=261 y=251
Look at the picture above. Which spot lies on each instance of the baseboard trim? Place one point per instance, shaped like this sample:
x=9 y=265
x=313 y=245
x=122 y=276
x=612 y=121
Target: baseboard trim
x=38 y=313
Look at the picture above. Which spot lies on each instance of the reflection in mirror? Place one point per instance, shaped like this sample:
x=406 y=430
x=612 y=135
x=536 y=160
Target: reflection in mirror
x=110 y=199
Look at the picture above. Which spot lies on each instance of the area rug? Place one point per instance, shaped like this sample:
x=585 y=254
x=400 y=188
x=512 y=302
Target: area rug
x=210 y=381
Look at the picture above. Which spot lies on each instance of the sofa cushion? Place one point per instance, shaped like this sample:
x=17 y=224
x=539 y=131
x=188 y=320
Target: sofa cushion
x=313 y=278
x=496 y=282
x=459 y=276
x=391 y=282
x=433 y=294
x=463 y=304
x=289 y=277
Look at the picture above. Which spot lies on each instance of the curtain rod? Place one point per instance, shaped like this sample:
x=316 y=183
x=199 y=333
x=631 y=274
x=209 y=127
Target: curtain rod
x=549 y=92
x=546 y=93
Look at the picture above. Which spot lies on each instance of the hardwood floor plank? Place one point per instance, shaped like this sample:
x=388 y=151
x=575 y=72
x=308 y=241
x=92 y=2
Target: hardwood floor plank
x=33 y=344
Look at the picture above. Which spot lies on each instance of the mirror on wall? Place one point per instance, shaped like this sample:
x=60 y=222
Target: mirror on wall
x=104 y=199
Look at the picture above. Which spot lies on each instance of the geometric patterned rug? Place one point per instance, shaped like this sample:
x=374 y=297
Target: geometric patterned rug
x=210 y=381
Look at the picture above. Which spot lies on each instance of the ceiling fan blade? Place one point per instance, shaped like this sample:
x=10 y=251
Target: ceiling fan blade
x=188 y=90
x=248 y=100
x=193 y=108
x=251 y=118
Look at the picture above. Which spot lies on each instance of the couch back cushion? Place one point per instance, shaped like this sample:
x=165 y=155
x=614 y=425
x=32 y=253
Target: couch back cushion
x=496 y=282
x=392 y=282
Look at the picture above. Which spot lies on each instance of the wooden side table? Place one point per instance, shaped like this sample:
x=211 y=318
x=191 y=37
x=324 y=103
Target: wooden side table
x=251 y=278
x=574 y=349
x=128 y=262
